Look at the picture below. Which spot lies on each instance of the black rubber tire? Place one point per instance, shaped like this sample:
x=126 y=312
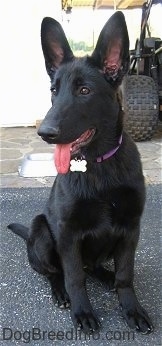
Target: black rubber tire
x=141 y=106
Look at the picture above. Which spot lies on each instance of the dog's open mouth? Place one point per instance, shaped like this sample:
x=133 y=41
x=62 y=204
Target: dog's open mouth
x=63 y=152
x=83 y=140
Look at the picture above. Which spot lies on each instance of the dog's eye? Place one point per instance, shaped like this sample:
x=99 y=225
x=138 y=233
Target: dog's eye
x=84 y=91
x=53 y=90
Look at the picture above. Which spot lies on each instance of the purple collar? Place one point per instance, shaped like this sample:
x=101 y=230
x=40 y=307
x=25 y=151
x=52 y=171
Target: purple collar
x=110 y=153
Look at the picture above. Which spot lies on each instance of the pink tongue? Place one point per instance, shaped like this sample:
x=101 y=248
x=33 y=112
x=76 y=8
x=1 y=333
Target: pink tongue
x=62 y=158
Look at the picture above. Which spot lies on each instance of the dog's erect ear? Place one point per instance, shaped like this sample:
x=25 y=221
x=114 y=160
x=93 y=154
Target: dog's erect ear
x=55 y=46
x=111 y=54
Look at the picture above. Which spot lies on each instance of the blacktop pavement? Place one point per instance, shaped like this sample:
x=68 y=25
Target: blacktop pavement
x=28 y=313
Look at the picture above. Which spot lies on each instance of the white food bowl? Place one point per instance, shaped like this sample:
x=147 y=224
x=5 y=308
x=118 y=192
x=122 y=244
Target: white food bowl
x=37 y=165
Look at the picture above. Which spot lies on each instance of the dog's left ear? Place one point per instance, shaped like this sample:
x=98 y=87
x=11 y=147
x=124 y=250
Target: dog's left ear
x=55 y=45
x=111 y=54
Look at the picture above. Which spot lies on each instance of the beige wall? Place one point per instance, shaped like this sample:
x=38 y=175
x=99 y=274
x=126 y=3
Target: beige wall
x=25 y=94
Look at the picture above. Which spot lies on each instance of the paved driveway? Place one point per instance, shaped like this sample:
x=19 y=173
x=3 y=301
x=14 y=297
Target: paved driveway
x=26 y=296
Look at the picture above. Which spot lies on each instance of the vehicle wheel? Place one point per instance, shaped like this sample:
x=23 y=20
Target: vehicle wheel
x=141 y=106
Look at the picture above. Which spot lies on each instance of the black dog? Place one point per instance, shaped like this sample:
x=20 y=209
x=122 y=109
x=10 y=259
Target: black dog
x=95 y=204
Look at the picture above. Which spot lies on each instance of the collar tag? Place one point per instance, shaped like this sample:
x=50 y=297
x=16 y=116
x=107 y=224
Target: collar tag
x=78 y=165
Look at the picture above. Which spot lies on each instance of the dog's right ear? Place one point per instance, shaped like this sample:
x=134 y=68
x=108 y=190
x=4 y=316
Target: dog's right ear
x=55 y=46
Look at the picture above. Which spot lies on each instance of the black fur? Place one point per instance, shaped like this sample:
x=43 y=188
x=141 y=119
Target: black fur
x=94 y=215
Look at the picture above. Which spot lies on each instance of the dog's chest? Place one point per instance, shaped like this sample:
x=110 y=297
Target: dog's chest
x=90 y=214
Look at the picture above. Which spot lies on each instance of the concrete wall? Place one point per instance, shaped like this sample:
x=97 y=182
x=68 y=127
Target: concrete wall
x=25 y=94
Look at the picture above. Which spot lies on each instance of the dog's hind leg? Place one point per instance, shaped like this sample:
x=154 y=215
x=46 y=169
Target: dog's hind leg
x=45 y=254
x=59 y=294
x=43 y=257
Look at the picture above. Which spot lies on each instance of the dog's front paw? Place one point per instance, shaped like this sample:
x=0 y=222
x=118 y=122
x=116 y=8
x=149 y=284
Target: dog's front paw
x=85 y=320
x=138 y=319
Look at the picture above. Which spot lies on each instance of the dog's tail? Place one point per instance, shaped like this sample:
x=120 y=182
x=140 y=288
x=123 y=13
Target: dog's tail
x=19 y=229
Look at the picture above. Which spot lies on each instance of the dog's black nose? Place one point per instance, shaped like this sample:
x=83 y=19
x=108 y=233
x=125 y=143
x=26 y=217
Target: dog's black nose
x=48 y=133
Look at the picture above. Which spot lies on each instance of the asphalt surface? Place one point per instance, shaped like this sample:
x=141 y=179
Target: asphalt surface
x=26 y=296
